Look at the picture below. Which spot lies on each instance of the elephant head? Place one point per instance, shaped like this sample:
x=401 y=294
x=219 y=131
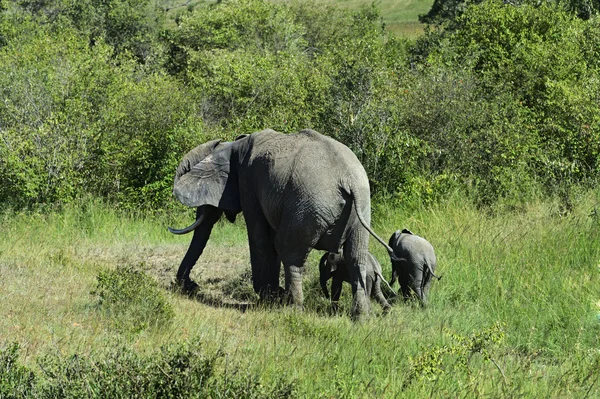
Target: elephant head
x=206 y=176
x=413 y=264
x=205 y=179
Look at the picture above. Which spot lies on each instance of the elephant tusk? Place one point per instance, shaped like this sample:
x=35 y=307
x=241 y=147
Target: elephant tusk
x=191 y=227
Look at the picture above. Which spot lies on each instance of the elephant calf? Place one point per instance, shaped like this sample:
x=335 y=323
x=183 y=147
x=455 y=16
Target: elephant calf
x=413 y=264
x=332 y=265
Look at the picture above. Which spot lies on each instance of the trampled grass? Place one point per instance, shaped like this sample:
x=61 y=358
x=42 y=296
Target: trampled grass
x=515 y=314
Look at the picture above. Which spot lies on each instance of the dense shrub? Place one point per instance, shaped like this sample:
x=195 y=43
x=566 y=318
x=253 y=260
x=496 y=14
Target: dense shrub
x=51 y=83
x=182 y=370
x=75 y=121
x=132 y=300
x=144 y=127
x=539 y=57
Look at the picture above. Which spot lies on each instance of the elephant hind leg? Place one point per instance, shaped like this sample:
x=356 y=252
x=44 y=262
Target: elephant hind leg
x=263 y=258
x=356 y=257
x=294 y=269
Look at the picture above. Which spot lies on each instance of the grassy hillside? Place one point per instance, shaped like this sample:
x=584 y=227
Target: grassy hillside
x=515 y=313
x=400 y=16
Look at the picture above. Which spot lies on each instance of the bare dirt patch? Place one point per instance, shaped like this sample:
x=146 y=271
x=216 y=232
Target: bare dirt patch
x=222 y=273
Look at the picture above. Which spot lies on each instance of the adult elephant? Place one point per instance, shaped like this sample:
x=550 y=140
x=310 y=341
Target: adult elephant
x=296 y=191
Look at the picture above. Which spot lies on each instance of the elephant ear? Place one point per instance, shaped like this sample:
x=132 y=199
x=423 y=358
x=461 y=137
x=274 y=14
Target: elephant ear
x=332 y=262
x=204 y=177
x=394 y=239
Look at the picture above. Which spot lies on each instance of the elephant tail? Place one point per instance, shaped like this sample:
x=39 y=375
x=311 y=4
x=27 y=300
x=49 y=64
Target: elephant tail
x=386 y=283
x=432 y=273
x=370 y=230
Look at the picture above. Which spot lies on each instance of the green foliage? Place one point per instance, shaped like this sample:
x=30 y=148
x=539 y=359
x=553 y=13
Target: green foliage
x=16 y=380
x=128 y=26
x=445 y=12
x=132 y=300
x=530 y=66
x=245 y=60
x=103 y=98
x=77 y=122
x=434 y=362
x=146 y=125
x=50 y=83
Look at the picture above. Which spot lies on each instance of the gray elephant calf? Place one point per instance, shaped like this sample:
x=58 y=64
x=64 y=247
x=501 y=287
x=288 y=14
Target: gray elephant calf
x=413 y=264
x=332 y=265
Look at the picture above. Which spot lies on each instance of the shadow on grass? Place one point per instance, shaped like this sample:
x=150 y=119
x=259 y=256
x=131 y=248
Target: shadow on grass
x=235 y=294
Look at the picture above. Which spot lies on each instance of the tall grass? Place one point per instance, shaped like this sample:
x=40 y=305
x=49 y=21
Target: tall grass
x=515 y=314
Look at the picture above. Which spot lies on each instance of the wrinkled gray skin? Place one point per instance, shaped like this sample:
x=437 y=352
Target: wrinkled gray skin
x=296 y=192
x=332 y=266
x=414 y=264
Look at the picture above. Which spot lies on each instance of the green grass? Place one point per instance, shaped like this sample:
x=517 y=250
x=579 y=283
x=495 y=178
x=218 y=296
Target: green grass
x=400 y=16
x=515 y=313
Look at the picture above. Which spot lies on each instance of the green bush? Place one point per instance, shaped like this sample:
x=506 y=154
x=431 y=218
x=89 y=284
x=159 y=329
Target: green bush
x=16 y=380
x=132 y=300
x=51 y=83
x=531 y=66
x=146 y=124
x=181 y=370
x=103 y=98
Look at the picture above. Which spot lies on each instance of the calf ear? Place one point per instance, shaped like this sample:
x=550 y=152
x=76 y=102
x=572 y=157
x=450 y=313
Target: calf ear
x=393 y=238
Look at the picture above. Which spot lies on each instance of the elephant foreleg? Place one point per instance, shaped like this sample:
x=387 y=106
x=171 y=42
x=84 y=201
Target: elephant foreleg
x=380 y=298
x=201 y=235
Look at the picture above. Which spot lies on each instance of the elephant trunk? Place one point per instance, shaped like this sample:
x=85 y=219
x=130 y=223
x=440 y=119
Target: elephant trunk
x=190 y=228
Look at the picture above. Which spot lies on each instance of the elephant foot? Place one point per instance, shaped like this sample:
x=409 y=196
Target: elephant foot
x=269 y=295
x=184 y=286
x=335 y=307
x=360 y=308
x=292 y=301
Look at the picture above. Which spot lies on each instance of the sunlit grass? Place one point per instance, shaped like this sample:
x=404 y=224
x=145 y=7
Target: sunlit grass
x=515 y=312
